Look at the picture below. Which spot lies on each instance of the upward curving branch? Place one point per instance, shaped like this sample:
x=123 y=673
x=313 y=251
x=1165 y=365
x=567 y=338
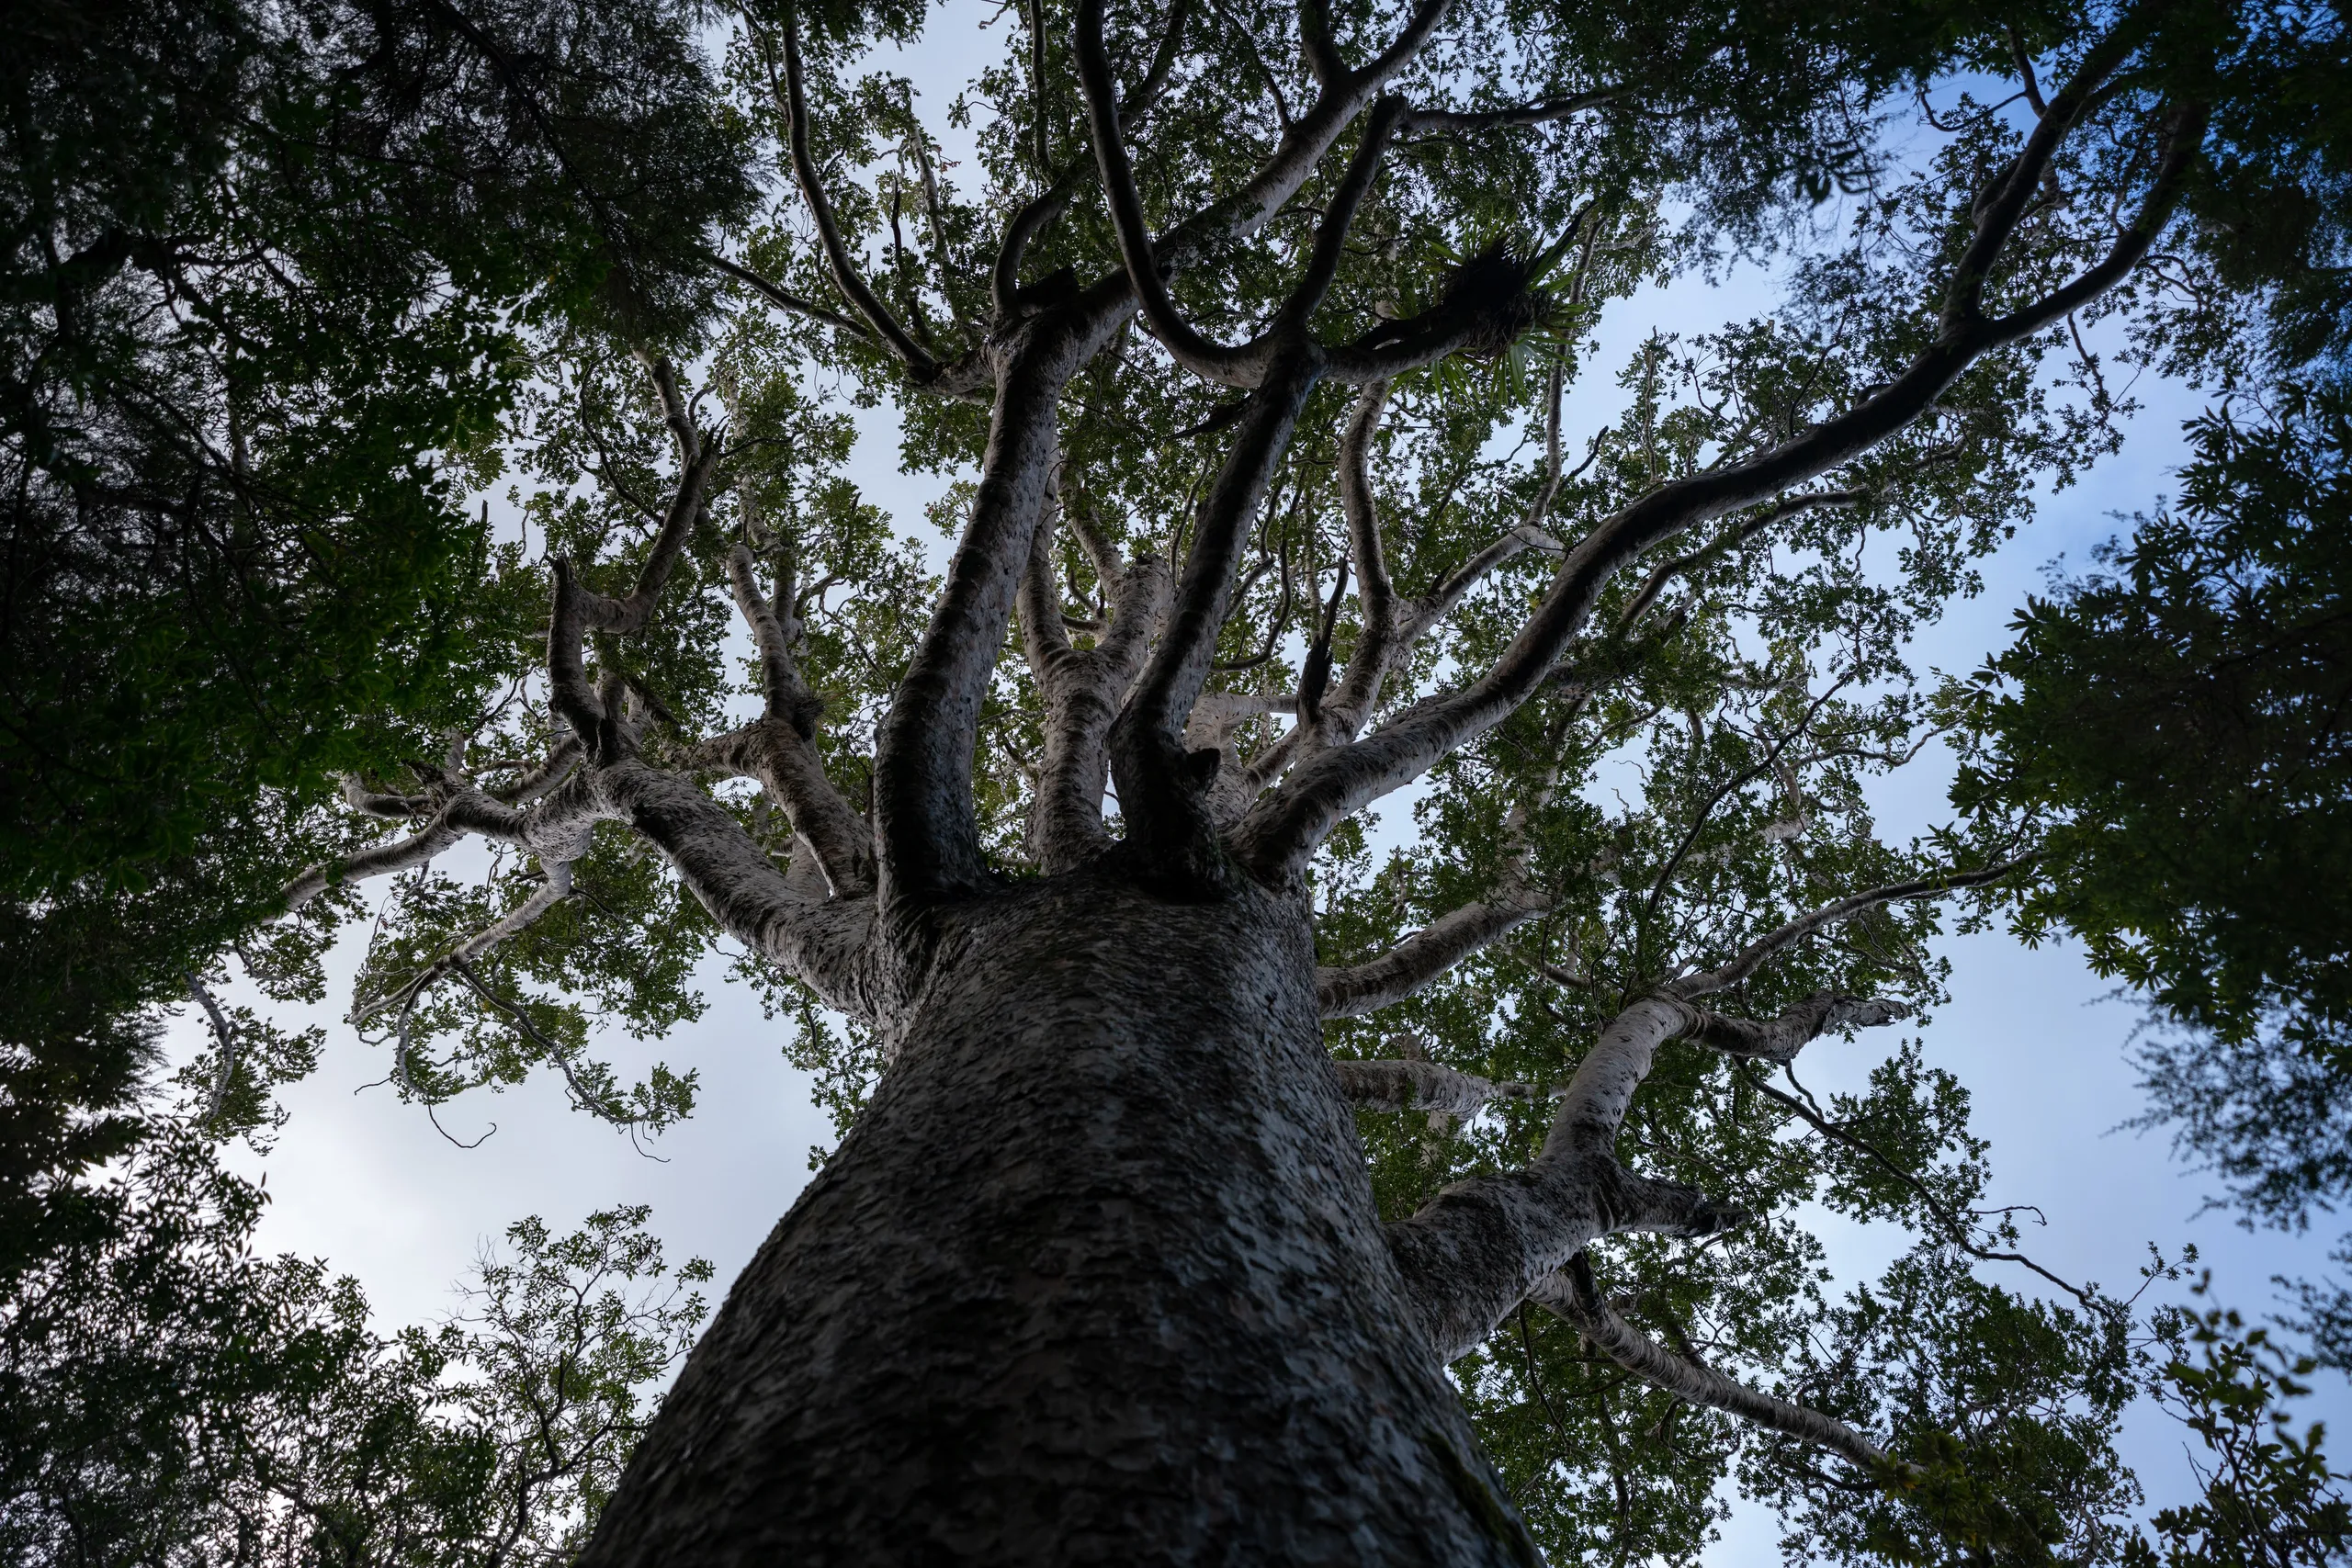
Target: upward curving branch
x=920 y=362
x=1164 y=790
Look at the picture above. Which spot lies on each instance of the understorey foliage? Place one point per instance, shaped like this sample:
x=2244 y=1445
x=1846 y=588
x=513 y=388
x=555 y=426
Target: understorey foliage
x=171 y=1398
x=1298 y=544
x=263 y=272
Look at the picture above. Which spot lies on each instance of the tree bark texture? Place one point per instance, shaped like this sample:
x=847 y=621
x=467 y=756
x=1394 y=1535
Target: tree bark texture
x=1096 y=1277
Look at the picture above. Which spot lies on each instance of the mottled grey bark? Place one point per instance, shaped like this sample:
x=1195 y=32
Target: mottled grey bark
x=1096 y=1278
x=1408 y=1084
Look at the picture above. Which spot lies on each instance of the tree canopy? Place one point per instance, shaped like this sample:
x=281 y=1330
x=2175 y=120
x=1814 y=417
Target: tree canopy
x=1243 y=347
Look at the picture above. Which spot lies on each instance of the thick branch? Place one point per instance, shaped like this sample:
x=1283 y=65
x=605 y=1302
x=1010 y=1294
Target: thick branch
x=537 y=783
x=1470 y=1255
x=1195 y=352
x=1034 y=215
x=928 y=841
x=823 y=942
x=1420 y=959
x=1573 y=1295
x=1162 y=789
x=1779 y=1039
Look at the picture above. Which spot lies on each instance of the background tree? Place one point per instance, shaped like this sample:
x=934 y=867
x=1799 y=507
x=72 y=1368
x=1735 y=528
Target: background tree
x=2179 y=719
x=261 y=274
x=170 y=1398
x=1273 y=512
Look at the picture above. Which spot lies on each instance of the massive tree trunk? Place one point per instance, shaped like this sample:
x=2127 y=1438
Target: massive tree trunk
x=1097 y=1277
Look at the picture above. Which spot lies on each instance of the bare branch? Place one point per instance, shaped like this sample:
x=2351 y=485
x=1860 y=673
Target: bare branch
x=2181 y=141
x=825 y=943
x=1232 y=366
x=1750 y=958
x=1999 y=206
x=1034 y=215
x=926 y=836
x=1314 y=42
x=1528 y=534
x=553 y=890
x=1957 y=1231
x=785 y=299
x=629 y=614
x=537 y=783
x=1472 y=1253
x=224 y=1075
x=595 y=1104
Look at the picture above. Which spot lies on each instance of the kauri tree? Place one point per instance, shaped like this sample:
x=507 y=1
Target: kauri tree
x=1229 y=1172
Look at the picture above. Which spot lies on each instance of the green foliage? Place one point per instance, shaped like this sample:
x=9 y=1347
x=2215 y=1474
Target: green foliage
x=2179 y=720
x=2269 y=1500
x=167 y=1397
